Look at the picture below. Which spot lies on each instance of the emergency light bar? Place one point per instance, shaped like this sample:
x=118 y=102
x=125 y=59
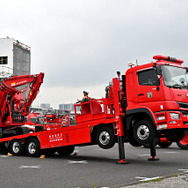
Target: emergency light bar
x=168 y=58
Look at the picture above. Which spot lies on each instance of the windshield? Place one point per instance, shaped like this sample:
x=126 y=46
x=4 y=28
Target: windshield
x=175 y=77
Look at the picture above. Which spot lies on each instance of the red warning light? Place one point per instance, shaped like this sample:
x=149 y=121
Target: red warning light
x=167 y=58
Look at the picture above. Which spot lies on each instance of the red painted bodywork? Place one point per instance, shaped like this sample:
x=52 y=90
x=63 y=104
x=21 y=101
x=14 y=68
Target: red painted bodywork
x=115 y=108
x=13 y=105
x=164 y=100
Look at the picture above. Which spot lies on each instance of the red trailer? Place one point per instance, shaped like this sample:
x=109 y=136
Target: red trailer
x=99 y=122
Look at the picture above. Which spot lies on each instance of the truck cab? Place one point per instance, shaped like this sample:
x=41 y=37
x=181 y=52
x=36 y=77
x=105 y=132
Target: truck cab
x=157 y=99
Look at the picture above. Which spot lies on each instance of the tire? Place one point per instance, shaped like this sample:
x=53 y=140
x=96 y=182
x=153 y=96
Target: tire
x=133 y=142
x=144 y=132
x=33 y=148
x=66 y=150
x=16 y=147
x=105 y=138
x=175 y=135
x=183 y=144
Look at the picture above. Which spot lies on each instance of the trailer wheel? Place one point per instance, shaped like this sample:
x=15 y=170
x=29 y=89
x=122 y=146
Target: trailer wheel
x=33 y=148
x=105 y=138
x=144 y=132
x=66 y=150
x=183 y=144
x=175 y=135
x=16 y=147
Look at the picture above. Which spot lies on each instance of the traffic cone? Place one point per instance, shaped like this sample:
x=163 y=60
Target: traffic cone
x=42 y=156
x=9 y=154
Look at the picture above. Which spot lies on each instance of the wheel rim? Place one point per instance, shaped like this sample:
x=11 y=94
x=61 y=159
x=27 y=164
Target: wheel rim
x=32 y=148
x=16 y=147
x=143 y=132
x=104 y=138
x=184 y=141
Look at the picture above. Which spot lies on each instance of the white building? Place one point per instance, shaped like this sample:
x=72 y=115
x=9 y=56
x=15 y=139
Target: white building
x=15 y=58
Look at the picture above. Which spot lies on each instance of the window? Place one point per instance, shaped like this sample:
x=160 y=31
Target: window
x=34 y=120
x=148 y=77
x=4 y=60
x=175 y=77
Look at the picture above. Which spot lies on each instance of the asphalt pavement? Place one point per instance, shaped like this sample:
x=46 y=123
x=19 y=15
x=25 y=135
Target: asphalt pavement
x=94 y=167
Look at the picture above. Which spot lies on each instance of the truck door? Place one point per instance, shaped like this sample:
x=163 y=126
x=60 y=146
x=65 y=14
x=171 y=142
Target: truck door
x=150 y=90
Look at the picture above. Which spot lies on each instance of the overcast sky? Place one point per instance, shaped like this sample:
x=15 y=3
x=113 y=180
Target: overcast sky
x=80 y=44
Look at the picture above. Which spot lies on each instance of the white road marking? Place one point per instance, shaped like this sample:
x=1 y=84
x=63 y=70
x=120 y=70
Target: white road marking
x=77 y=162
x=138 y=177
x=144 y=155
x=35 y=167
x=4 y=156
x=170 y=152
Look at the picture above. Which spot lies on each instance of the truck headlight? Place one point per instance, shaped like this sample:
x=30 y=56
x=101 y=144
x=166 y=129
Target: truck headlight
x=175 y=116
x=160 y=118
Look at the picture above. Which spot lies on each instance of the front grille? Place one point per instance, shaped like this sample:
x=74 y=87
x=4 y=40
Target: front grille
x=183 y=105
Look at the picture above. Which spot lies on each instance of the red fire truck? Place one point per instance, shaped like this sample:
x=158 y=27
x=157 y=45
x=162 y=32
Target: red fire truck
x=148 y=101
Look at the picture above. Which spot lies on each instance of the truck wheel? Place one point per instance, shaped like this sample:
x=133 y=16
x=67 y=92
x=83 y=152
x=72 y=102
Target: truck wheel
x=183 y=144
x=33 y=148
x=105 y=138
x=144 y=132
x=66 y=150
x=133 y=142
x=16 y=147
x=175 y=135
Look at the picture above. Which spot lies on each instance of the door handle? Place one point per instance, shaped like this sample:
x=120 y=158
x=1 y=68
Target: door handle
x=140 y=94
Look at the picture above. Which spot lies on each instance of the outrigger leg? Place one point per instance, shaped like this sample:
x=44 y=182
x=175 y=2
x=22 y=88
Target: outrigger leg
x=121 y=151
x=153 y=152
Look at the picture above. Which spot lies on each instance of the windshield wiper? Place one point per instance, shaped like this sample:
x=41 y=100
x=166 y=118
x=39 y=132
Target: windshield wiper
x=176 y=86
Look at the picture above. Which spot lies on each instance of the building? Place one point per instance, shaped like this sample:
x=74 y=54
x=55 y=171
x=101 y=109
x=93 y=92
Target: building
x=64 y=107
x=15 y=58
x=45 y=106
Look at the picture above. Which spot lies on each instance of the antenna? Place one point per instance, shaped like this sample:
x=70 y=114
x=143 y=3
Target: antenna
x=136 y=62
